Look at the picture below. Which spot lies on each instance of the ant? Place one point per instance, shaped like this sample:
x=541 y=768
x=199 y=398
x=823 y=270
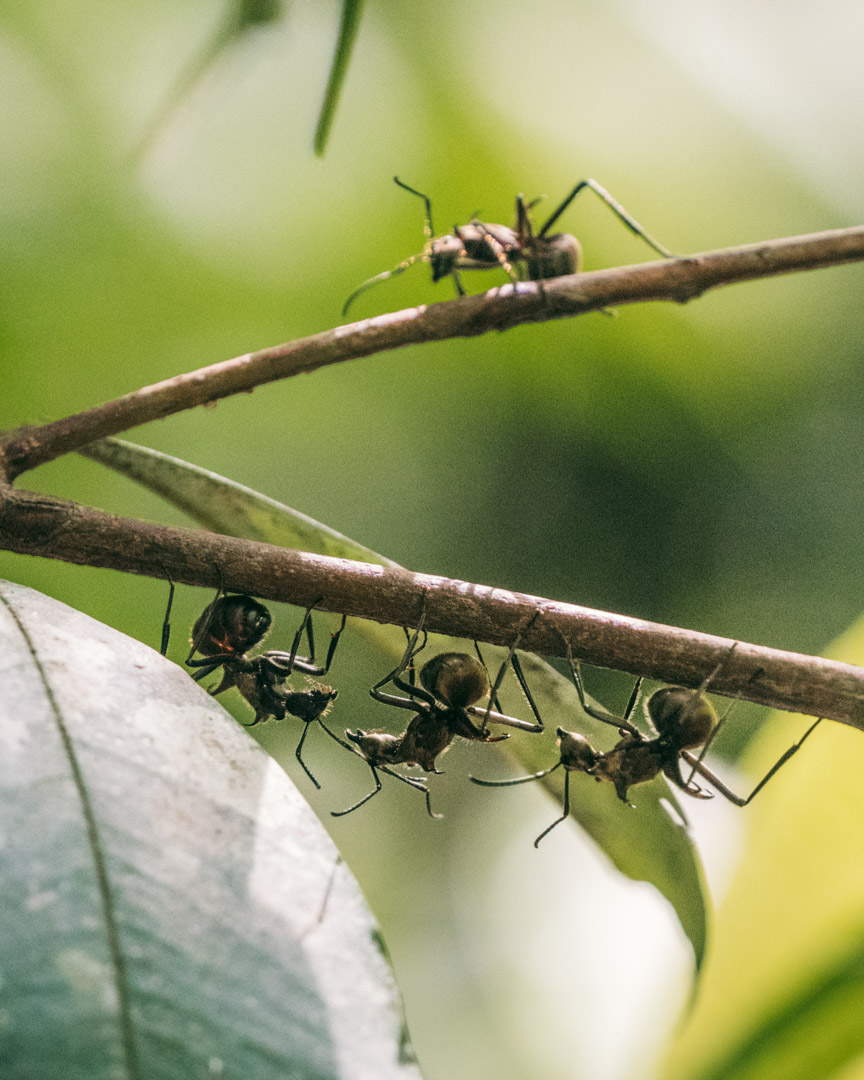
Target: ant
x=227 y=630
x=520 y=252
x=452 y=684
x=681 y=719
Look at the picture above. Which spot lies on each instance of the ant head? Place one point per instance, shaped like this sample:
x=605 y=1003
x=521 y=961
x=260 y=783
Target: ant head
x=317 y=702
x=230 y=624
x=442 y=254
x=683 y=717
x=576 y=751
x=457 y=679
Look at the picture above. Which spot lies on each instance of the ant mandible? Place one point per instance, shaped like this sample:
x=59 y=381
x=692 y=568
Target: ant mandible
x=683 y=720
x=452 y=684
x=227 y=630
x=520 y=252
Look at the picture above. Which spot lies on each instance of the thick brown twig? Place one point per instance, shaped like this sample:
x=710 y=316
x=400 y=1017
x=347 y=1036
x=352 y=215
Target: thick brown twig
x=41 y=525
x=677 y=280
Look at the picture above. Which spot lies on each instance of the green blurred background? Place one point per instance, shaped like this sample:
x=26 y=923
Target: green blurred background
x=698 y=465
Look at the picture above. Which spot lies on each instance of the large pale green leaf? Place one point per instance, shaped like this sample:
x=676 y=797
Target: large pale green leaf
x=782 y=994
x=651 y=843
x=163 y=912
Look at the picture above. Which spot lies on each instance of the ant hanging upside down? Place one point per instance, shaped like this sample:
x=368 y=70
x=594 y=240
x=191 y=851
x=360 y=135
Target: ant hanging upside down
x=520 y=252
x=443 y=706
x=227 y=630
x=683 y=720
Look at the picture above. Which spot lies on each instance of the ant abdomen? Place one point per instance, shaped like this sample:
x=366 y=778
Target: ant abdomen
x=553 y=256
x=682 y=716
x=457 y=679
x=230 y=624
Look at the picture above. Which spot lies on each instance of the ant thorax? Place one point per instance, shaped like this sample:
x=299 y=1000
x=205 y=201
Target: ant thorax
x=427 y=736
x=633 y=760
x=378 y=747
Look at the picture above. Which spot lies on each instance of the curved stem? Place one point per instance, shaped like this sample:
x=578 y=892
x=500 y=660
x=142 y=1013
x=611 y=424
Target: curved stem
x=676 y=280
x=41 y=525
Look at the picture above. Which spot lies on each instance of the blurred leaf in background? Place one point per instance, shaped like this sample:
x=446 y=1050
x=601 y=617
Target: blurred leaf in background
x=697 y=465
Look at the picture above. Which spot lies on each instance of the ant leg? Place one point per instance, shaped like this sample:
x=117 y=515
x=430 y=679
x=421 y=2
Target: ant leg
x=523 y=682
x=617 y=209
x=334 y=641
x=301 y=662
x=502 y=671
x=298 y=753
x=366 y=798
x=564 y=815
x=704 y=771
x=517 y=780
x=166 y=622
x=705 y=747
x=336 y=738
x=716 y=730
x=411 y=651
x=205 y=626
x=494 y=699
x=306 y=625
x=415 y=783
x=634 y=698
x=605 y=717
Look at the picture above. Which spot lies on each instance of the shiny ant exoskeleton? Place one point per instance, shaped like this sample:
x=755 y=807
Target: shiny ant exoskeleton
x=682 y=719
x=520 y=252
x=225 y=632
x=443 y=707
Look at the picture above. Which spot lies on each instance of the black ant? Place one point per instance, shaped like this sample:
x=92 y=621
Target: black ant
x=225 y=632
x=683 y=720
x=452 y=684
x=520 y=252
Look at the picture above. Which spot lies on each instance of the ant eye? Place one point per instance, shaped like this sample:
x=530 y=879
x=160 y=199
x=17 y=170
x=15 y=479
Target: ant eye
x=457 y=679
x=682 y=715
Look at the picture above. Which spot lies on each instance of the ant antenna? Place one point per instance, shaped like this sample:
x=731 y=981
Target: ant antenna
x=427 y=225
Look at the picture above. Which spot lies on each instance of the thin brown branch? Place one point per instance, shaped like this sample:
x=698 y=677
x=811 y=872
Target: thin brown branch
x=678 y=280
x=40 y=525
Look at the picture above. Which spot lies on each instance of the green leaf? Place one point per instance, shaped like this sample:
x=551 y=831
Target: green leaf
x=782 y=993
x=651 y=843
x=166 y=909
x=348 y=27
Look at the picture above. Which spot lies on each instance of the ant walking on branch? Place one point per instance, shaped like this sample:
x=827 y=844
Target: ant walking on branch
x=681 y=720
x=520 y=252
x=443 y=706
x=227 y=630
